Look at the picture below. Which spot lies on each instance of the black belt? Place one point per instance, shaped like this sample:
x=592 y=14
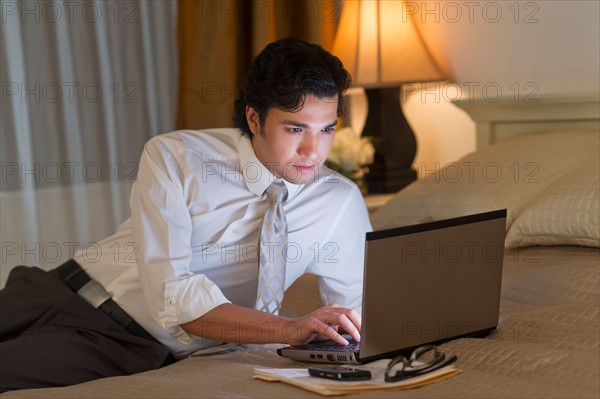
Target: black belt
x=79 y=281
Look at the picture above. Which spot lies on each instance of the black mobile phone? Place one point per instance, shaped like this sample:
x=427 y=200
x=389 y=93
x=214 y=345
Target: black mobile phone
x=339 y=373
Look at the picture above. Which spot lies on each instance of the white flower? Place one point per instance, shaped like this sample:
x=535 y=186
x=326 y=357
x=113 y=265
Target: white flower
x=350 y=151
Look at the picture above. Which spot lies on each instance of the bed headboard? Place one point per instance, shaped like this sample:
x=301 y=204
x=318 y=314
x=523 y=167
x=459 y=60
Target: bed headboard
x=498 y=120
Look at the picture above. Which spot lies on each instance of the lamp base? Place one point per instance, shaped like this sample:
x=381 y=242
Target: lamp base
x=381 y=180
x=394 y=141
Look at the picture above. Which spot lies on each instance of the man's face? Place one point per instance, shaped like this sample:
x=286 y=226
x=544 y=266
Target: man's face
x=294 y=145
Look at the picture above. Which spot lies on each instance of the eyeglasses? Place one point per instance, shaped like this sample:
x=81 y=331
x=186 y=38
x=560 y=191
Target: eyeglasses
x=423 y=360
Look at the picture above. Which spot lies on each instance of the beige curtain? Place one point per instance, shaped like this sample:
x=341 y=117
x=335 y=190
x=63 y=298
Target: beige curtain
x=81 y=94
x=218 y=39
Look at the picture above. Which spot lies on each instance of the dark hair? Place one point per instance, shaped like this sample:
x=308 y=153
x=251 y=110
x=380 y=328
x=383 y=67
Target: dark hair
x=284 y=73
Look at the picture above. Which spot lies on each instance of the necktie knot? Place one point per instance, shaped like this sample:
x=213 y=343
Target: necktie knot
x=277 y=192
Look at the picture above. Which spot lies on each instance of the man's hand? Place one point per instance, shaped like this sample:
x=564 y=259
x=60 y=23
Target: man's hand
x=329 y=322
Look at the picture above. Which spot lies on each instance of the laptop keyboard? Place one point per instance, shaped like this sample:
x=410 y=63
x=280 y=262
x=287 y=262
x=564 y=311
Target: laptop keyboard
x=329 y=346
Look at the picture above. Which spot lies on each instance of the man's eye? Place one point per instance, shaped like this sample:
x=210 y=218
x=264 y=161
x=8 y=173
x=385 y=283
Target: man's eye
x=295 y=130
x=329 y=130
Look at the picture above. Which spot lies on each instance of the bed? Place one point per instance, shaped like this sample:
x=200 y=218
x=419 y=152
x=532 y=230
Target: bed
x=538 y=160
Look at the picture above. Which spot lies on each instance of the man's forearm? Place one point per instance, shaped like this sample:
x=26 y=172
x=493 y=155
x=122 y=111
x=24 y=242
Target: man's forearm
x=234 y=323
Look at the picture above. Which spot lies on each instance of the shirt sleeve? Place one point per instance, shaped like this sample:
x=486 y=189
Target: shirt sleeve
x=162 y=228
x=340 y=262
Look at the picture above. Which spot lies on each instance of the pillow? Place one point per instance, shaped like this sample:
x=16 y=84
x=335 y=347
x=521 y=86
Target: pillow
x=504 y=175
x=565 y=213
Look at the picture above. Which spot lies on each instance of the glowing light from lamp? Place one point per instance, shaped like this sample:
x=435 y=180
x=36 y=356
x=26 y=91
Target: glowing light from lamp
x=380 y=46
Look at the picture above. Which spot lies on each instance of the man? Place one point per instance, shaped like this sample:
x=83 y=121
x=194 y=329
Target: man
x=222 y=223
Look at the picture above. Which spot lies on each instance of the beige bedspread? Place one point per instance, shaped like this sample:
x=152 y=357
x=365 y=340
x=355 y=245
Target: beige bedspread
x=547 y=345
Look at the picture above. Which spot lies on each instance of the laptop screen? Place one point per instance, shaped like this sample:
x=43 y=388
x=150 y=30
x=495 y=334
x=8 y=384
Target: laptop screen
x=431 y=282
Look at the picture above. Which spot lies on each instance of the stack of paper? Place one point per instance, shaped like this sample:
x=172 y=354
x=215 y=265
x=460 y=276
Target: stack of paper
x=326 y=387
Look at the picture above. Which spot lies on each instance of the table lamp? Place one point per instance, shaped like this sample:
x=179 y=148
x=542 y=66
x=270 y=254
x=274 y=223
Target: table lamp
x=381 y=48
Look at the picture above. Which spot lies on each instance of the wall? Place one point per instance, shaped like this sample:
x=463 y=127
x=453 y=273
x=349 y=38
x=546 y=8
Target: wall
x=555 y=45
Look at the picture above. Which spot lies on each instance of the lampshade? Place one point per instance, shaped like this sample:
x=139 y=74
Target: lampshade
x=380 y=46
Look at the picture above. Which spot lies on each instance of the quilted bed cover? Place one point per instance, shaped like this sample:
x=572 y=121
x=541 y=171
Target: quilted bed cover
x=547 y=345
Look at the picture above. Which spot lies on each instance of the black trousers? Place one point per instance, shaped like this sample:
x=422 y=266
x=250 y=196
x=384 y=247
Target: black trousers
x=50 y=336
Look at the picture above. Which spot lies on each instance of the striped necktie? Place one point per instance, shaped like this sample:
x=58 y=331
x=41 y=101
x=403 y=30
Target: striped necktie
x=273 y=243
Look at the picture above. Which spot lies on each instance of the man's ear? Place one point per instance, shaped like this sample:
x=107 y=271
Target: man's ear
x=252 y=119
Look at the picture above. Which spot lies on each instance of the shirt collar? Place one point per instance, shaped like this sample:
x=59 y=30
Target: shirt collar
x=256 y=175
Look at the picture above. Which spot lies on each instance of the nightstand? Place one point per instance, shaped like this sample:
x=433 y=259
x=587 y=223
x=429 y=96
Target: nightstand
x=375 y=201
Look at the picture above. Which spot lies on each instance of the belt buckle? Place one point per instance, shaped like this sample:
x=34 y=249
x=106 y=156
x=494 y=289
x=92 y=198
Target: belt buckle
x=94 y=293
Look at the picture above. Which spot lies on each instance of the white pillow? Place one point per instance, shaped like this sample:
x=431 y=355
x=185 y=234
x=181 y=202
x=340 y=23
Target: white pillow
x=505 y=175
x=565 y=213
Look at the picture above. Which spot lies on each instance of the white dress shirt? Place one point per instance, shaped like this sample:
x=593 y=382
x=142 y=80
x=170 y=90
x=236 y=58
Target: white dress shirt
x=191 y=243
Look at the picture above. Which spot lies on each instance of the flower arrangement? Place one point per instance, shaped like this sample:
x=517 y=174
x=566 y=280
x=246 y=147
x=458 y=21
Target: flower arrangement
x=350 y=155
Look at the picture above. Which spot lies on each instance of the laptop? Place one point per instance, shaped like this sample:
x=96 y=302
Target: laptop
x=423 y=284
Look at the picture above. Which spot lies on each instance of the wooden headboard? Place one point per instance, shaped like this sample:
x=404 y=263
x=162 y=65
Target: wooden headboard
x=498 y=120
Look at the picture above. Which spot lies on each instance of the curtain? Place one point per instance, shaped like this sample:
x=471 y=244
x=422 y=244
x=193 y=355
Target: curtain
x=218 y=39
x=84 y=85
